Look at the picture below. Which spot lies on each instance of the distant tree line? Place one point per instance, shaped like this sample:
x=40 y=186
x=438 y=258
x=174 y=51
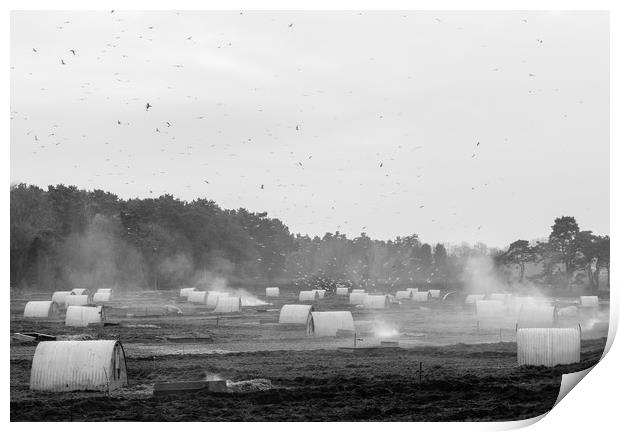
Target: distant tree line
x=567 y=255
x=68 y=237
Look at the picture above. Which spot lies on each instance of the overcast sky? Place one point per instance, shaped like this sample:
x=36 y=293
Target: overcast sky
x=327 y=120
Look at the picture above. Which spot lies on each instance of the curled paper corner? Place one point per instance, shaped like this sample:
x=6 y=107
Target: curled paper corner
x=520 y=424
x=569 y=381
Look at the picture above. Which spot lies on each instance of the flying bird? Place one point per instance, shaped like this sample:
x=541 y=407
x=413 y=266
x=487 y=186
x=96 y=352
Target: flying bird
x=297 y=127
x=290 y=25
x=72 y=51
x=168 y=124
x=118 y=121
x=478 y=143
x=62 y=61
x=262 y=186
x=148 y=105
x=381 y=165
x=34 y=50
x=189 y=38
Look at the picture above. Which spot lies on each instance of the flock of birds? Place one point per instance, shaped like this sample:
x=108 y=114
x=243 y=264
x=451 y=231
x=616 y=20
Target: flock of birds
x=120 y=158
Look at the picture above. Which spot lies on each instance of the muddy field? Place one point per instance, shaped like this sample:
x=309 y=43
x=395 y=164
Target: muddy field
x=469 y=369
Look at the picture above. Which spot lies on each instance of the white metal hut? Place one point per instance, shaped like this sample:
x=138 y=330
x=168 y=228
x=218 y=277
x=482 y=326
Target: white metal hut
x=213 y=296
x=588 y=301
x=412 y=289
x=76 y=300
x=357 y=298
x=102 y=297
x=328 y=323
x=376 y=302
x=60 y=297
x=490 y=308
x=500 y=297
x=272 y=292
x=104 y=290
x=184 y=293
x=358 y=291
x=41 y=309
x=308 y=296
x=198 y=297
x=473 y=298
x=82 y=316
x=321 y=293
x=404 y=295
x=79 y=291
x=295 y=314
x=537 y=316
x=548 y=346
x=516 y=303
x=342 y=291
x=61 y=366
x=435 y=293
x=421 y=296
x=227 y=304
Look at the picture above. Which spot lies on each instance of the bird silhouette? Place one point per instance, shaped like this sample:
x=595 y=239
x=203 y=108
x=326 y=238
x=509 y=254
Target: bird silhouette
x=290 y=25
x=381 y=165
x=148 y=105
x=72 y=51
x=62 y=61
x=262 y=186
x=118 y=121
x=34 y=50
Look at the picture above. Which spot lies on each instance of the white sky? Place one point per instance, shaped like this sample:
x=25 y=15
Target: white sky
x=412 y=90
